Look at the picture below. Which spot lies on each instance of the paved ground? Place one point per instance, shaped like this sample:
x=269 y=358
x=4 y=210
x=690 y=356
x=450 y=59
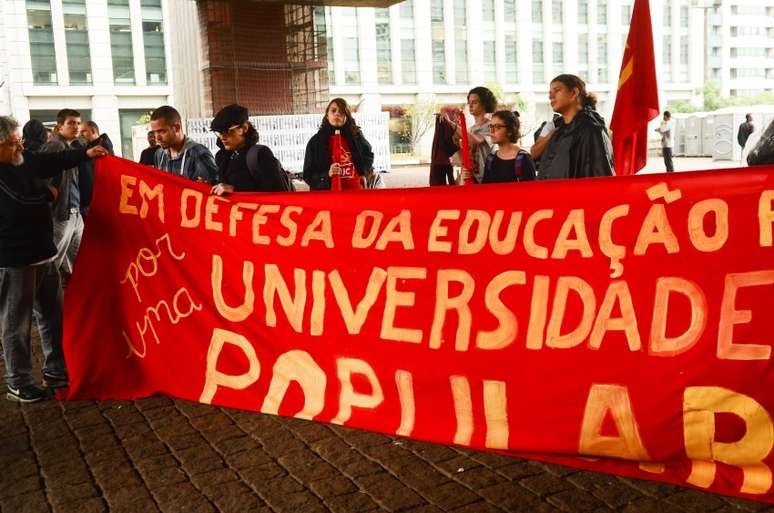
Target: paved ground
x=163 y=455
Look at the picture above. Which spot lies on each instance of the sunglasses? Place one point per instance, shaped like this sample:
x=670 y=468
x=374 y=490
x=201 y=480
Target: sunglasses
x=227 y=131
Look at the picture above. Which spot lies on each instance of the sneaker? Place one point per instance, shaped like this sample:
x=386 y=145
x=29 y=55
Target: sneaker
x=51 y=380
x=26 y=394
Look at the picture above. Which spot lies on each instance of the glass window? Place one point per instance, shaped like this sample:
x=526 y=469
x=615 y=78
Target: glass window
x=351 y=60
x=77 y=39
x=557 y=15
x=408 y=61
x=683 y=49
x=41 y=42
x=558 y=53
x=461 y=61
x=537 y=11
x=439 y=61
x=153 y=41
x=667 y=50
x=602 y=50
x=583 y=49
x=121 y=42
x=460 y=13
x=602 y=12
x=626 y=14
x=684 y=16
x=509 y=10
x=538 y=74
x=511 y=60
x=128 y=119
x=407 y=9
x=667 y=13
x=490 y=62
x=489 y=10
x=583 y=12
x=436 y=11
x=383 y=49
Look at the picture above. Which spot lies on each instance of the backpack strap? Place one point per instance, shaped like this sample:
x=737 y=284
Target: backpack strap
x=252 y=162
x=517 y=172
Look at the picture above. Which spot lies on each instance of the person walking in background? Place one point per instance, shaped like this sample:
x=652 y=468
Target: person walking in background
x=66 y=208
x=355 y=155
x=34 y=135
x=178 y=154
x=148 y=155
x=667 y=131
x=243 y=164
x=509 y=163
x=91 y=136
x=481 y=103
x=580 y=146
x=29 y=279
x=745 y=130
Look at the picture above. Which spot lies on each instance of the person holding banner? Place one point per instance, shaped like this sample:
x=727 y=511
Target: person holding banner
x=580 y=146
x=338 y=153
x=29 y=279
x=243 y=164
x=509 y=163
x=481 y=103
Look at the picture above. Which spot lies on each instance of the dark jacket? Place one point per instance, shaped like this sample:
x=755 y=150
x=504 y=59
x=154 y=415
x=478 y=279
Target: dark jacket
x=86 y=175
x=34 y=135
x=578 y=150
x=26 y=228
x=148 y=155
x=60 y=209
x=233 y=168
x=745 y=130
x=317 y=160
x=197 y=161
x=763 y=152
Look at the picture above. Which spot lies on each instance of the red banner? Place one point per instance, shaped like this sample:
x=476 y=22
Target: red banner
x=616 y=324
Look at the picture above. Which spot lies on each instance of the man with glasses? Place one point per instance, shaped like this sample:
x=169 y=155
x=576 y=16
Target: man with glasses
x=29 y=281
x=177 y=154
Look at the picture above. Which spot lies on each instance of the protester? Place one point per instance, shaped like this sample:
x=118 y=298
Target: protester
x=542 y=137
x=580 y=146
x=745 y=130
x=34 y=135
x=481 y=103
x=444 y=146
x=667 y=131
x=243 y=164
x=178 y=154
x=762 y=153
x=509 y=163
x=66 y=208
x=148 y=155
x=29 y=281
x=91 y=137
x=356 y=154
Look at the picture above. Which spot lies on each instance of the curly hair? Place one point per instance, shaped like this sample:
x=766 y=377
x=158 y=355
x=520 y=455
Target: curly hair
x=511 y=122
x=487 y=98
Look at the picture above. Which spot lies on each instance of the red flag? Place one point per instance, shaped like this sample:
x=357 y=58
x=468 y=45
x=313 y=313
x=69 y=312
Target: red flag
x=637 y=100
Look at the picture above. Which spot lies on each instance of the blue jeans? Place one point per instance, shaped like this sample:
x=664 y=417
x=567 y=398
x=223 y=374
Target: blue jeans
x=25 y=292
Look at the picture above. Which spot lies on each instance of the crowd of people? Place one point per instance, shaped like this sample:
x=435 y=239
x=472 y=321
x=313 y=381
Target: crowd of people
x=47 y=178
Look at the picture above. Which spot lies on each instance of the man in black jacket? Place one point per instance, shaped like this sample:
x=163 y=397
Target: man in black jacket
x=29 y=280
x=91 y=136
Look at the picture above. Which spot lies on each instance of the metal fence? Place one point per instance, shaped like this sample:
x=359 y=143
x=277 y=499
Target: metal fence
x=287 y=136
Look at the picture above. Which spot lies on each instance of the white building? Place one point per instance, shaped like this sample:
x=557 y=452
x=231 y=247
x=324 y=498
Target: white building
x=107 y=59
x=440 y=49
x=740 y=46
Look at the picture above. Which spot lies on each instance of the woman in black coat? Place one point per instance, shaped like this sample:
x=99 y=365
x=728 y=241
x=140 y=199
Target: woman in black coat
x=356 y=154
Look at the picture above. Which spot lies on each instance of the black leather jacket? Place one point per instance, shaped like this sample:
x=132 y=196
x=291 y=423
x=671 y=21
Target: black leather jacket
x=317 y=160
x=578 y=150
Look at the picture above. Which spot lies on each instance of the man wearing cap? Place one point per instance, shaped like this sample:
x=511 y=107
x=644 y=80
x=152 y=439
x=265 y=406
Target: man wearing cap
x=243 y=164
x=177 y=154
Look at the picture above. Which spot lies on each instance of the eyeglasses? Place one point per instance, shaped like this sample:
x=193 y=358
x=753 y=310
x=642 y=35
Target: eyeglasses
x=496 y=126
x=13 y=143
x=227 y=131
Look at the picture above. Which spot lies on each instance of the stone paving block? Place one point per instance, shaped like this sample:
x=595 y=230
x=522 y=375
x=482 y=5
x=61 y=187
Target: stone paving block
x=163 y=412
x=280 y=445
x=156 y=462
x=247 y=459
x=332 y=487
x=364 y=439
x=123 y=414
x=648 y=504
x=236 y=444
x=492 y=460
x=355 y=465
x=307 y=466
x=140 y=505
x=425 y=508
x=115 y=455
x=450 y=495
x=85 y=418
x=431 y=452
x=124 y=497
x=186 y=441
x=575 y=501
x=67 y=472
x=214 y=421
x=297 y=502
x=353 y=503
x=651 y=488
x=388 y=492
x=694 y=501
x=144 y=446
x=213 y=477
x=615 y=496
x=151 y=403
x=25 y=466
x=96 y=431
x=589 y=481
x=745 y=505
x=123 y=431
x=182 y=498
x=191 y=409
x=22 y=486
x=544 y=484
x=95 y=505
x=258 y=475
x=456 y=465
x=511 y=498
x=275 y=489
x=311 y=431
x=102 y=442
x=34 y=502
x=159 y=477
x=477 y=507
x=246 y=503
x=479 y=477
x=229 y=488
x=173 y=428
x=222 y=433
x=557 y=470
x=421 y=476
x=111 y=477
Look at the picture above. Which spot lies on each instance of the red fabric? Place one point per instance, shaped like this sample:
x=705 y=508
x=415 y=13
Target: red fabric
x=222 y=300
x=341 y=154
x=637 y=99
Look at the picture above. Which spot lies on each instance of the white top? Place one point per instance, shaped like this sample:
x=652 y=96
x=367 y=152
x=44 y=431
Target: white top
x=546 y=128
x=667 y=131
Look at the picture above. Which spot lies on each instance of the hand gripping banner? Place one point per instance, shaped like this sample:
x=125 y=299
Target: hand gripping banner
x=616 y=324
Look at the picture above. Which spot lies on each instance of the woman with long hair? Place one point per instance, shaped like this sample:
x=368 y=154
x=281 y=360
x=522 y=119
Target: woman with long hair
x=580 y=146
x=350 y=149
x=510 y=163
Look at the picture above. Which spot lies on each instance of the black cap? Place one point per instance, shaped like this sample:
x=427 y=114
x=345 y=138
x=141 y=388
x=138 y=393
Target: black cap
x=229 y=116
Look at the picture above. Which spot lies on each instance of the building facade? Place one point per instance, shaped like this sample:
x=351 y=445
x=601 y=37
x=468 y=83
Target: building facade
x=108 y=59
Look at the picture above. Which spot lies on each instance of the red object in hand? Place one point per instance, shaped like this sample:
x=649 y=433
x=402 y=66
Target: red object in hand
x=467 y=165
x=336 y=179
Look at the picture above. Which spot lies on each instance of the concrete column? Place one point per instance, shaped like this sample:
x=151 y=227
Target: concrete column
x=450 y=41
x=60 y=43
x=475 y=41
x=138 y=48
x=99 y=44
x=500 y=41
x=423 y=45
x=395 y=50
x=104 y=111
